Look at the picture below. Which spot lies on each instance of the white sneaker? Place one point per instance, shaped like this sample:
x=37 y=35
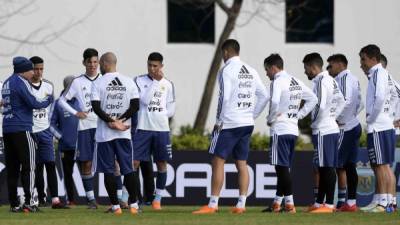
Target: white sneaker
x=369 y=207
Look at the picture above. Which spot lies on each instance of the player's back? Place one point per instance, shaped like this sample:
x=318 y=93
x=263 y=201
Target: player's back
x=237 y=98
x=329 y=96
x=291 y=94
x=114 y=91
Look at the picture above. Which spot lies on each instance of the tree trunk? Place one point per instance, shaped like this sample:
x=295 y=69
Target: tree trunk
x=204 y=107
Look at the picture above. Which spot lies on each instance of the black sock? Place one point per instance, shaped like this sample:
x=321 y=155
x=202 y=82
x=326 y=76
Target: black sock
x=321 y=185
x=111 y=187
x=279 y=183
x=148 y=180
x=352 y=180
x=130 y=184
x=285 y=180
x=52 y=178
x=330 y=185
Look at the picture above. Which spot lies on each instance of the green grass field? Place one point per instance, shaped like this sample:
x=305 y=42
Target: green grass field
x=182 y=215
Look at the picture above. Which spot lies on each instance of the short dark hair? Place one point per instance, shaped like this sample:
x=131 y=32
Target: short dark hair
x=89 y=53
x=155 y=56
x=338 y=58
x=384 y=59
x=313 y=59
x=36 y=60
x=274 y=60
x=372 y=51
x=231 y=44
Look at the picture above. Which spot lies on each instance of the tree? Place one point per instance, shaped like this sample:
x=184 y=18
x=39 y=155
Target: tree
x=232 y=14
x=233 y=11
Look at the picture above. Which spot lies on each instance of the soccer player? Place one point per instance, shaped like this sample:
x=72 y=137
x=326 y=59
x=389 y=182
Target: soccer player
x=44 y=138
x=287 y=92
x=325 y=130
x=242 y=97
x=152 y=137
x=80 y=89
x=396 y=115
x=115 y=99
x=19 y=102
x=64 y=127
x=350 y=132
x=146 y=167
x=381 y=133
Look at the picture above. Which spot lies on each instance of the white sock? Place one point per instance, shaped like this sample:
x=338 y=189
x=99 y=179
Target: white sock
x=241 y=202
x=383 y=201
x=90 y=195
x=394 y=200
x=134 y=205
x=119 y=194
x=289 y=200
x=389 y=198
x=278 y=199
x=55 y=200
x=351 y=202
x=115 y=207
x=213 y=201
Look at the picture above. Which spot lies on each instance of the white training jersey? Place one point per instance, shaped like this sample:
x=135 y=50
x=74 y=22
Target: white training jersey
x=396 y=105
x=80 y=89
x=242 y=95
x=329 y=107
x=114 y=91
x=157 y=103
x=380 y=97
x=1 y=110
x=41 y=120
x=284 y=108
x=350 y=88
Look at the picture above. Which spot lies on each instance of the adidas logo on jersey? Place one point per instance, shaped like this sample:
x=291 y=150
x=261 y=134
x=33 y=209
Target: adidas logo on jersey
x=115 y=85
x=244 y=73
x=293 y=82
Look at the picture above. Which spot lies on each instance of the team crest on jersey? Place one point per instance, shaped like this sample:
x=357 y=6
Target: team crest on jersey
x=162 y=88
x=116 y=85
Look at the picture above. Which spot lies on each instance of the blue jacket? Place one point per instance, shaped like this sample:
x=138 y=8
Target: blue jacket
x=64 y=125
x=19 y=103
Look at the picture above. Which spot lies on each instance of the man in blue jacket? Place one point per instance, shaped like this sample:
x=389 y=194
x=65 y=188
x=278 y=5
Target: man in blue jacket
x=19 y=103
x=64 y=127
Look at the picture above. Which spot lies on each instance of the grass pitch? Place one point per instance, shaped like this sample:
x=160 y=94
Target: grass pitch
x=182 y=215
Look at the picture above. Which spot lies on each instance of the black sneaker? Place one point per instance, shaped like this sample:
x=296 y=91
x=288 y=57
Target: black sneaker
x=17 y=209
x=31 y=208
x=92 y=204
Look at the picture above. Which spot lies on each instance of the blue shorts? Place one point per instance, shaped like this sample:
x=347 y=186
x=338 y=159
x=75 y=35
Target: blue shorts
x=109 y=151
x=325 y=150
x=86 y=144
x=156 y=143
x=45 y=147
x=381 y=147
x=282 y=149
x=349 y=141
x=235 y=141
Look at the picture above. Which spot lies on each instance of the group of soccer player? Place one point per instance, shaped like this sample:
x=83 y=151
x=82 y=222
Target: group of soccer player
x=113 y=124
x=334 y=103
